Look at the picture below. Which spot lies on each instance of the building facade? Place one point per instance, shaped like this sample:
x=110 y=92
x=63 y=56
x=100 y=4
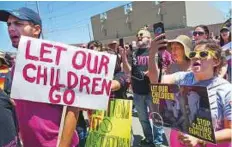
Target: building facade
x=124 y=21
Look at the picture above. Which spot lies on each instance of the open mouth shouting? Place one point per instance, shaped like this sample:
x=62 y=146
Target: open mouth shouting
x=15 y=39
x=196 y=65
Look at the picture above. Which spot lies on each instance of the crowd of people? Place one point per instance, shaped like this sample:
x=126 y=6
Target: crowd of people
x=199 y=60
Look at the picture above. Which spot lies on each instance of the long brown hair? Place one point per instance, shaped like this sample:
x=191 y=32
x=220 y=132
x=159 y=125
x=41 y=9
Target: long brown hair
x=205 y=28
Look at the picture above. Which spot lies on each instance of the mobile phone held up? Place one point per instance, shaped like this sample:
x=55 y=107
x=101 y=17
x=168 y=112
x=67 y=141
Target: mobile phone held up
x=158 y=29
x=121 y=42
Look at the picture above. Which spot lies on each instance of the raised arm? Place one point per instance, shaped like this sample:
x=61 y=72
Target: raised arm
x=153 y=74
x=126 y=65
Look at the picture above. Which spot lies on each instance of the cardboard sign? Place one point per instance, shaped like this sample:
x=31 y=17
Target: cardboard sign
x=56 y=73
x=184 y=108
x=111 y=128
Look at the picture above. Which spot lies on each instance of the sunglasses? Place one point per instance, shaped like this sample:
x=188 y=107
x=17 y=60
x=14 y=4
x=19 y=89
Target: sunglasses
x=139 y=35
x=199 y=33
x=202 y=54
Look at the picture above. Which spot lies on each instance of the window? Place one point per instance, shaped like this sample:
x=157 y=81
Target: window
x=128 y=9
x=155 y=3
x=129 y=26
x=105 y=32
x=103 y=16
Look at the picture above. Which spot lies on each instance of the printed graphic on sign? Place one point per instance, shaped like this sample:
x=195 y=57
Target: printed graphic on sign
x=184 y=108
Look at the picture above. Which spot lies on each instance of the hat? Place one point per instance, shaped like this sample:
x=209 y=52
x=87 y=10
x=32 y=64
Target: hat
x=225 y=28
x=22 y=14
x=113 y=42
x=183 y=40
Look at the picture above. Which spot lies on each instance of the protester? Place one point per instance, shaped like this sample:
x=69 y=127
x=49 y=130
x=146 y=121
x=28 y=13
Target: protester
x=200 y=32
x=4 y=71
x=113 y=46
x=206 y=61
x=120 y=81
x=38 y=122
x=10 y=59
x=179 y=48
x=83 y=45
x=8 y=124
x=141 y=87
x=95 y=45
x=8 y=133
x=82 y=129
x=225 y=36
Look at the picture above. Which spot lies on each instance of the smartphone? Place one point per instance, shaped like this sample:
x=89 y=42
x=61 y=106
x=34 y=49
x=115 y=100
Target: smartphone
x=158 y=29
x=121 y=42
x=131 y=47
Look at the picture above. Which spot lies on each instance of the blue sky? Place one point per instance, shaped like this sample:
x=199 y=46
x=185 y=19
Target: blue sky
x=69 y=22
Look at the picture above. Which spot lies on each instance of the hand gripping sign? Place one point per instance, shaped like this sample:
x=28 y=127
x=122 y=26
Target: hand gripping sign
x=56 y=73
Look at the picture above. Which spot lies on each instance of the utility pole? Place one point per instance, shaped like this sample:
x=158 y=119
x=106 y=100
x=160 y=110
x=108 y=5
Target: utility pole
x=89 y=32
x=37 y=7
x=161 y=7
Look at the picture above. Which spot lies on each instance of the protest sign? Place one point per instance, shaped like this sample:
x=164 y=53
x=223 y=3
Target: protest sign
x=111 y=128
x=56 y=73
x=184 y=108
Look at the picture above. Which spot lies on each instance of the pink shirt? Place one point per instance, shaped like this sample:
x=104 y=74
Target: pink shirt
x=176 y=143
x=39 y=123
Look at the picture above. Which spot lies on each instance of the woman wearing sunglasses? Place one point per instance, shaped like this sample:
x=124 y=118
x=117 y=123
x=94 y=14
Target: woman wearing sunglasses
x=206 y=60
x=200 y=32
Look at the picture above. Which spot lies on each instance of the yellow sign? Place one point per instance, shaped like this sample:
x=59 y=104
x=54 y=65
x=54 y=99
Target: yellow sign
x=111 y=128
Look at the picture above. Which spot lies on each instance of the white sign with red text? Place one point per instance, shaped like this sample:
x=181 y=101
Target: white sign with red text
x=56 y=73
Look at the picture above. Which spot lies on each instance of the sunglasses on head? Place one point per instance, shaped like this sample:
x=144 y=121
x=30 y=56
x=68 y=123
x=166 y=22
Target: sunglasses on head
x=202 y=54
x=199 y=33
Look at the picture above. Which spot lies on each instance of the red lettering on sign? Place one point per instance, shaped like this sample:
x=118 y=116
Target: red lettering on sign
x=106 y=86
x=25 y=72
x=104 y=64
x=72 y=80
x=71 y=100
x=44 y=51
x=27 y=53
x=95 y=84
x=95 y=64
x=55 y=99
x=81 y=65
x=84 y=82
x=41 y=74
x=58 y=54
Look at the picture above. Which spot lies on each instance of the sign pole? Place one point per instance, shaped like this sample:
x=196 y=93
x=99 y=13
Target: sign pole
x=61 y=125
